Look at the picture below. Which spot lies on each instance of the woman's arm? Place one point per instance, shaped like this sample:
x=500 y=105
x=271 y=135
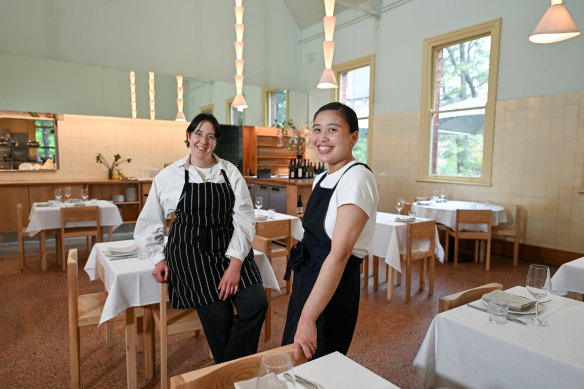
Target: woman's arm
x=243 y=216
x=350 y=222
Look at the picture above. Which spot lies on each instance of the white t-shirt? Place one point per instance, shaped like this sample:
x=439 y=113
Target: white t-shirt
x=358 y=187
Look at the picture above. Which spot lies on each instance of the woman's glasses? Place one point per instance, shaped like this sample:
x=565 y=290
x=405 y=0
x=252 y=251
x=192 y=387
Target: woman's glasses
x=199 y=135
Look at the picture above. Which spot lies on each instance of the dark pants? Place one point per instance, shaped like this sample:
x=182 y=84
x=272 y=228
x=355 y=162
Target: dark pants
x=234 y=336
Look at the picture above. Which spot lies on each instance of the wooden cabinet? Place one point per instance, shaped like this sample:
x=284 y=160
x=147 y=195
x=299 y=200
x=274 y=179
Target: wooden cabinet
x=262 y=150
x=12 y=193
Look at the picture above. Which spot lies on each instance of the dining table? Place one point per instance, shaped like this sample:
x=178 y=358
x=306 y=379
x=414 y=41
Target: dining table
x=389 y=241
x=296 y=229
x=463 y=349
x=130 y=284
x=45 y=216
x=570 y=277
x=444 y=212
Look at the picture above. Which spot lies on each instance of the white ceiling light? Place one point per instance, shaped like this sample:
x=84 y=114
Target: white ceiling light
x=328 y=79
x=239 y=101
x=556 y=25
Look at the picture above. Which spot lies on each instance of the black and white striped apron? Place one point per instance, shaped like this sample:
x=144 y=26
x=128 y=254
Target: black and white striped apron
x=197 y=242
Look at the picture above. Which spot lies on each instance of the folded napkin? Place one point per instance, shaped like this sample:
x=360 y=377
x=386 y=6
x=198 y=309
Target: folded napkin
x=405 y=219
x=122 y=250
x=42 y=204
x=516 y=303
x=423 y=203
x=260 y=216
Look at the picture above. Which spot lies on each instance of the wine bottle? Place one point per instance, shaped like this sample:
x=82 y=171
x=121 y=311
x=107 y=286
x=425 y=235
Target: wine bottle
x=299 y=172
x=299 y=207
x=290 y=170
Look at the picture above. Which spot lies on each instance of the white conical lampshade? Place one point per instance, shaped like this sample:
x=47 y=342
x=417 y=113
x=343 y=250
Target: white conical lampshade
x=239 y=102
x=556 y=25
x=327 y=80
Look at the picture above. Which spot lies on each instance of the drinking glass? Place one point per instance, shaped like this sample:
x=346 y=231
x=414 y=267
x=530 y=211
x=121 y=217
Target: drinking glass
x=58 y=194
x=539 y=284
x=276 y=371
x=399 y=206
x=435 y=194
x=84 y=194
x=67 y=192
x=259 y=202
x=443 y=195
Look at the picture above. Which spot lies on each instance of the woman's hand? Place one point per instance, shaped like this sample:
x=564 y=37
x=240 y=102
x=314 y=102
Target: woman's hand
x=160 y=272
x=229 y=284
x=305 y=338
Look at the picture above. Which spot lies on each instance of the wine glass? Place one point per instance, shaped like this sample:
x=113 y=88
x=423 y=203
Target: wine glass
x=259 y=202
x=84 y=194
x=275 y=371
x=67 y=192
x=435 y=194
x=539 y=284
x=399 y=206
x=443 y=195
x=58 y=194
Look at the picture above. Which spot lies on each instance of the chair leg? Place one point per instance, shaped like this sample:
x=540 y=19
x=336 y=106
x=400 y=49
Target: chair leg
x=109 y=334
x=268 y=320
x=63 y=254
x=408 y=279
x=422 y=274
x=431 y=286
x=446 y=252
x=488 y=260
x=148 y=344
x=399 y=276
x=163 y=357
x=389 y=282
x=455 y=252
x=515 y=250
x=375 y=273
x=476 y=252
x=21 y=250
x=366 y=272
x=74 y=351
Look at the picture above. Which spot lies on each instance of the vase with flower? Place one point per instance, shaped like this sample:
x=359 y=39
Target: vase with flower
x=291 y=137
x=111 y=168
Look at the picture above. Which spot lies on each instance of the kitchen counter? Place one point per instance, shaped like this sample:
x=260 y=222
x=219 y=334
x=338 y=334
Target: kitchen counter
x=293 y=189
x=280 y=181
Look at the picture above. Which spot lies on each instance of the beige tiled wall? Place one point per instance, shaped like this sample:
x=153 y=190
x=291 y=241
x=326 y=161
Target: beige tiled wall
x=538 y=162
x=149 y=143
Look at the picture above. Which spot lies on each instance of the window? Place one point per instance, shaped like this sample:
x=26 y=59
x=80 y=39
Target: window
x=458 y=105
x=208 y=109
x=356 y=80
x=234 y=117
x=275 y=106
x=44 y=131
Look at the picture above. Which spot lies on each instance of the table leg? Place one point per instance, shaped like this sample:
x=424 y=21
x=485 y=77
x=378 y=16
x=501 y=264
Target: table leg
x=110 y=233
x=366 y=272
x=389 y=282
x=148 y=344
x=375 y=273
x=43 y=244
x=131 y=349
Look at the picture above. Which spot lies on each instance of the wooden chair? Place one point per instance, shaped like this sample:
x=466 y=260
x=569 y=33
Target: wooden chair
x=170 y=321
x=265 y=246
x=406 y=209
x=471 y=216
x=78 y=214
x=513 y=231
x=466 y=296
x=22 y=234
x=280 y=234
x=84 y=310
x=416 y=232
x=226 y=374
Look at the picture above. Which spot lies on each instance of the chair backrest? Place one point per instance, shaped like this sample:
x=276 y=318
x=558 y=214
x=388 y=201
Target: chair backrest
x=406 y=209
x=225 y=374
x=274 y=228
x=466 y=296
x=262 y=244
x=421 y=231
x=78 y=214
x=473 y=216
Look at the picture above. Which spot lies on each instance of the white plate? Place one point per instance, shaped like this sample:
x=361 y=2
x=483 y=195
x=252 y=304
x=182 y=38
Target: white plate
x=528 y=312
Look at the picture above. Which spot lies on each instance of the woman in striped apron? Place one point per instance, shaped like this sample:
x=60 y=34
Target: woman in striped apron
x=339 y=223
x=208 y=260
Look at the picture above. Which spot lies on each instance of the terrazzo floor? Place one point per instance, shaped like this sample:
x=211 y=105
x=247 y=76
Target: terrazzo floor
x=34 y=324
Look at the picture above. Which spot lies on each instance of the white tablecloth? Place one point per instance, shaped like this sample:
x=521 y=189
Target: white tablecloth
x=570 y=277
x=463 y=349
x=295 y=223
x=445 y=213
x=48 y=218
x=129 y=282
x=336 y=371
x=390 y=238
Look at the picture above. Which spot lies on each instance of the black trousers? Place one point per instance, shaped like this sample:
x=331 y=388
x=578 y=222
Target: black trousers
x=234 y=336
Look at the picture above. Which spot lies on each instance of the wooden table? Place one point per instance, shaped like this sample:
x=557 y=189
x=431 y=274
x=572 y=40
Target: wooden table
x=445 y=212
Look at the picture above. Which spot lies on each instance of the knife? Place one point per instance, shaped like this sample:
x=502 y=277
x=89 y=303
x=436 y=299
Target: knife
x=510 y=318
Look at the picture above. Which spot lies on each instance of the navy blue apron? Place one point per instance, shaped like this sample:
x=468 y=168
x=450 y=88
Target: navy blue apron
x=197 y=242
x=336 y=324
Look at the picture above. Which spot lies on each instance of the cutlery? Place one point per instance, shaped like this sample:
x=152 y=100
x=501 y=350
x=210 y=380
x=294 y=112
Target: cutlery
x=510 y=318
x=302 y=380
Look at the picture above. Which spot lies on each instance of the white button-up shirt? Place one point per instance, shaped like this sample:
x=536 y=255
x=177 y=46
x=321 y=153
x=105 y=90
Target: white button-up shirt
x=163 y=199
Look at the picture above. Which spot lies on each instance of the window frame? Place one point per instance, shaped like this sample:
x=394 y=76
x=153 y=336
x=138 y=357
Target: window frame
x=492 y=28
x=335 y=93
x=266 y=101
x=228 y=104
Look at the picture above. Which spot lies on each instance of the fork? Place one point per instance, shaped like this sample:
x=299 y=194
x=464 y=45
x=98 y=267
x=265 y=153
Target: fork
x=302 y=380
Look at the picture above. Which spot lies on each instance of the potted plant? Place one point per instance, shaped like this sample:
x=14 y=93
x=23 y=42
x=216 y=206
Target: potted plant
x=291 y=137
x=110 y=168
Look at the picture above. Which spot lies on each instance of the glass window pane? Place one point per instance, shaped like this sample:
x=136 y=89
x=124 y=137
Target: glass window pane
x=462 y=74
x=457 y=143
x=354 y=90
x=277 y=106
x=360 y=148
x=236 y=117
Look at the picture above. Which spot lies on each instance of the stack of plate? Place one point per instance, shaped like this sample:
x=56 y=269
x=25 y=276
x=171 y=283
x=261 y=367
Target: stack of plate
x=121 y=252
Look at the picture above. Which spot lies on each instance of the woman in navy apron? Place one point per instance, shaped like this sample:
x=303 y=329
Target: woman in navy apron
x=208 y=260
x=338 y=229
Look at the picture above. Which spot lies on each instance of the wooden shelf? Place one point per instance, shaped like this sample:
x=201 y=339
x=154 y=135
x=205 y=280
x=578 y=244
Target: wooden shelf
x=127 y=203
x=271 y=164
x=275 y=157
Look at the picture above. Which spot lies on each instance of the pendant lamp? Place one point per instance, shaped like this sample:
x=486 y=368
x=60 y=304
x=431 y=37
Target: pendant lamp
x=556 y=25
x=328 y=79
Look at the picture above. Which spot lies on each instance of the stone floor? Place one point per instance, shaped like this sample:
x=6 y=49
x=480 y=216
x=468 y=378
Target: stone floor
x=34 y=325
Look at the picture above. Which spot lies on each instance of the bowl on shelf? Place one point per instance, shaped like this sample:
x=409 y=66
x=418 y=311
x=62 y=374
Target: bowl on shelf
x=118 y=198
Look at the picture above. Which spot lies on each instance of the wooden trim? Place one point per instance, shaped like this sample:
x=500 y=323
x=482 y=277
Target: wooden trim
x=207 y=108
x=492 y=28
x=545 y=255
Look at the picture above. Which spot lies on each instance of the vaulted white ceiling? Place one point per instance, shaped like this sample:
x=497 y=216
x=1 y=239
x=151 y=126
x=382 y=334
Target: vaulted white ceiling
x=309 y=12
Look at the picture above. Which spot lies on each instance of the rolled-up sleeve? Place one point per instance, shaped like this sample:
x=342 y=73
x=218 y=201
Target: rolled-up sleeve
x=149 y=231
x=243 y=217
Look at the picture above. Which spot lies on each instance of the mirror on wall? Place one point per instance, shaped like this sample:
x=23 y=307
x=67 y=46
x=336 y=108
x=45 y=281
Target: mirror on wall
x=28 y=141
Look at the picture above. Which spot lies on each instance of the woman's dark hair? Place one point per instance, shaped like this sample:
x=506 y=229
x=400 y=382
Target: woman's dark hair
x=347 y=112
x=199 y=120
